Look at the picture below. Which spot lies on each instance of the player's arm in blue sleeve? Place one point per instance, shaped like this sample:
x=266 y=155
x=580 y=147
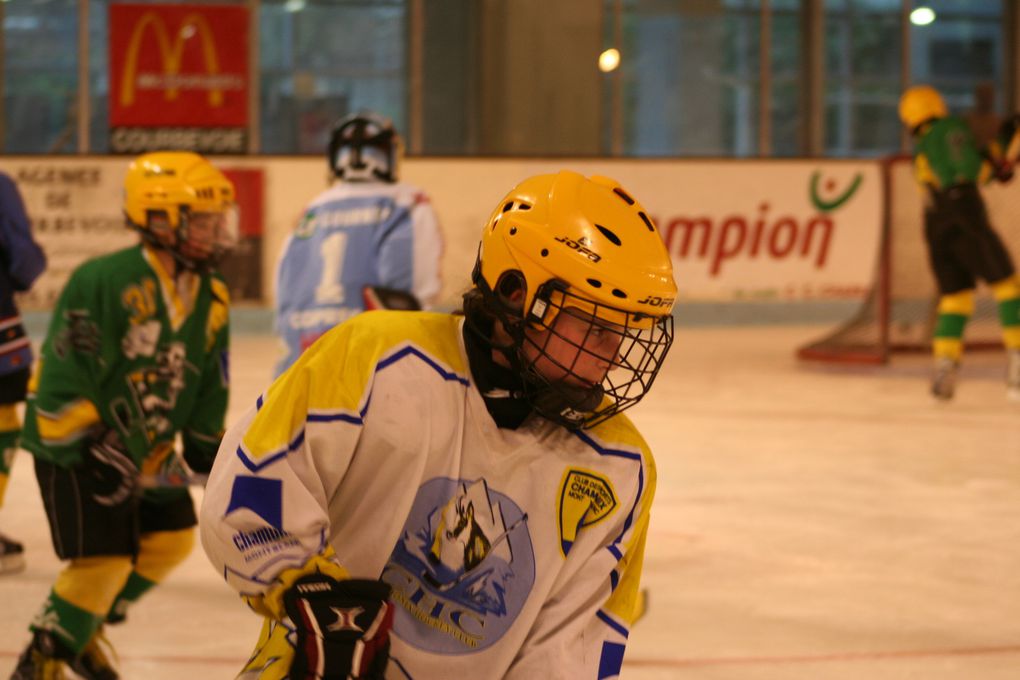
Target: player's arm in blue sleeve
x=409 y=256
x=25 y=259
x=427 y=251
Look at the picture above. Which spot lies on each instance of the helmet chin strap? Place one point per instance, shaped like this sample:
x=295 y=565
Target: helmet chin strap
x=566 y=404
x=556 y=400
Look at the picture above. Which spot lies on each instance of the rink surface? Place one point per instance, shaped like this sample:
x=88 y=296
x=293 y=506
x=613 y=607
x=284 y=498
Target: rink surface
x=810 y=523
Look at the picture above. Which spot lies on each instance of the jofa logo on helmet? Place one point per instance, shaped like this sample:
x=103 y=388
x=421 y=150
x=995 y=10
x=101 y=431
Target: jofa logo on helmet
x=581 y=246
x=656 y=301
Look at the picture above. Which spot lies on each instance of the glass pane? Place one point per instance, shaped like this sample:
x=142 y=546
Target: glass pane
x=323 y=60
x=784 y=108
x=40 y=77
x=862 y=77
x=959 y=50
x=690 y=78
x=450 y=57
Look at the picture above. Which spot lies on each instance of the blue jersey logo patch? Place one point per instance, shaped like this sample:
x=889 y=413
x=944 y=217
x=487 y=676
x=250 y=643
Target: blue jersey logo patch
x=462 y=569
x=264 y=497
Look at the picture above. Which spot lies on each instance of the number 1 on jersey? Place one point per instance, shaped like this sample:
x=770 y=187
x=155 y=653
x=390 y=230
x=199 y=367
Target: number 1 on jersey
x=330 y=290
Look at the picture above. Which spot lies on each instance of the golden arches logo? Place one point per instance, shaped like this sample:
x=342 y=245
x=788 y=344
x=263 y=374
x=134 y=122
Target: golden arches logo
x=171 y=53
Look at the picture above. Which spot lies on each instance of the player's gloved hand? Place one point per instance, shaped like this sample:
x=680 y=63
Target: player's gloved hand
x=343 y=628
x=197 y=459
x=377 y=297
x=114 y=475
x=1003 y=171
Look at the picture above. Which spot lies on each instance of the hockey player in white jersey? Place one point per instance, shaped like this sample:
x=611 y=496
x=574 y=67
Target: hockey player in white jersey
x=437 y=496
x=368 y=230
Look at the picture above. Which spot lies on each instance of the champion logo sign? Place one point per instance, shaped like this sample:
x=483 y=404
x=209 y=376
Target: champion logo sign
x=345 y=619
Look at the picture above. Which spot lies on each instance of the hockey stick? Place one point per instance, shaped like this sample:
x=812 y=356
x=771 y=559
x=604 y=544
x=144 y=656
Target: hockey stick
x=172 y=480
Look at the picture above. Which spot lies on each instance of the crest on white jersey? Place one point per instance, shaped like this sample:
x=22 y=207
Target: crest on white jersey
x=463 y=568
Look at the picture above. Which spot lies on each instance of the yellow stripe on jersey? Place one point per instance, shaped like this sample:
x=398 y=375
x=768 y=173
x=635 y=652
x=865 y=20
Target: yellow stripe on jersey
x=178 y=295
x=332 y=379
x=625 y=600
x=924 y=173
x=33 y=379
x=219 y=312
x=9 y=418
x=69 y=424
x=618 y=436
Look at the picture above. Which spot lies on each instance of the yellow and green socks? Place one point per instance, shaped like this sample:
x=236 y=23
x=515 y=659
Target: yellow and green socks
x=954 y=311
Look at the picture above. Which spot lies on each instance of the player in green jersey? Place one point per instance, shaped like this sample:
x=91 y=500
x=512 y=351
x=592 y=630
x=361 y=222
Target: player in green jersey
x=135 y=357
x=962 y=244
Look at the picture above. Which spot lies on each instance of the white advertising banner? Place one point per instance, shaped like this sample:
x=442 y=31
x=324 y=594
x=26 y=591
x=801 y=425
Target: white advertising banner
x=737 y=230
x=773 y=231
x=76 y=210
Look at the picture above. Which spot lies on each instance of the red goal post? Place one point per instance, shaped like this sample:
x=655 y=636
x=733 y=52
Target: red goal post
x=898 y=314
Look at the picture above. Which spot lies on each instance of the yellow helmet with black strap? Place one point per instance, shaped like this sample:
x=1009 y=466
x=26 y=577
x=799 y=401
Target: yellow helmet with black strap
x=172 y=196
x=585 y=244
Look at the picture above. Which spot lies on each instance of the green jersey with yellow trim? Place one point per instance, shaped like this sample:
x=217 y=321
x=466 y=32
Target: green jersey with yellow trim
x=511 y=553
x=131 y=349
x=947 y=154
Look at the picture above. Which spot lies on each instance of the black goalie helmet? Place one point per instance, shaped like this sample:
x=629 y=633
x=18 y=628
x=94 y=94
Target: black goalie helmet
x=365 y=147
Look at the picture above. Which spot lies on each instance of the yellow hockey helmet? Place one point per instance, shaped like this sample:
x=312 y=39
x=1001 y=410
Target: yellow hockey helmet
x=586 y=246
x=165 y=194
x=921 y=103
x=586 y=233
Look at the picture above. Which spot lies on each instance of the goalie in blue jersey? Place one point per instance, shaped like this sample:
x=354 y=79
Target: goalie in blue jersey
x=368 y=241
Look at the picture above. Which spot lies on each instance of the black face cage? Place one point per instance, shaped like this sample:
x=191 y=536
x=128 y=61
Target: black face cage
x=174 y=241
x=572 y=400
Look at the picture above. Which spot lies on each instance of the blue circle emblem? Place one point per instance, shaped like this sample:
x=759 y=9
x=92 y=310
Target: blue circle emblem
x=462 y=569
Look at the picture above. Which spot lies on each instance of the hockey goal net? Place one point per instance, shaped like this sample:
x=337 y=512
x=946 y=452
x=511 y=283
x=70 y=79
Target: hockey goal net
x=898 y=315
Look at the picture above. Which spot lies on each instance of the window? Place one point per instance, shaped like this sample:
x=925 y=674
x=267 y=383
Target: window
x=40 y=77
x=322 y=60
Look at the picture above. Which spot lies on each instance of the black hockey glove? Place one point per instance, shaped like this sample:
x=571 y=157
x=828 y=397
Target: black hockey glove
x=1003 y=172
x=196 y=458
x=112 y=472
x=343 y=628
x=376 y=297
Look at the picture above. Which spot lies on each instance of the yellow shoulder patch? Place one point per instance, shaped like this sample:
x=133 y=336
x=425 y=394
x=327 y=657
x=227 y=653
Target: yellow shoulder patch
x=586 y=498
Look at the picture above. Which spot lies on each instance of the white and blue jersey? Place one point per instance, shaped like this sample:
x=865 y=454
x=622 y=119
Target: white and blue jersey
x=353 y=235
x=513 y=554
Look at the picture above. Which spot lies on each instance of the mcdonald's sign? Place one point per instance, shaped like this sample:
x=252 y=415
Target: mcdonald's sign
x=178 y=76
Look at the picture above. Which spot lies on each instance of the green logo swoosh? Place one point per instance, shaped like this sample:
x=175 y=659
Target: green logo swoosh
x=829 y=206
